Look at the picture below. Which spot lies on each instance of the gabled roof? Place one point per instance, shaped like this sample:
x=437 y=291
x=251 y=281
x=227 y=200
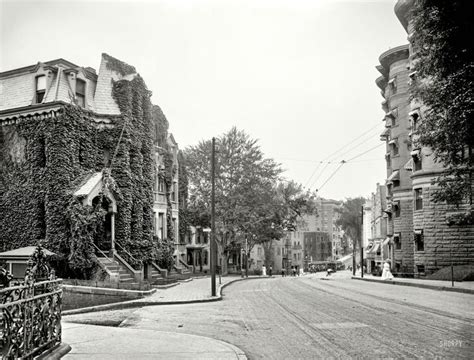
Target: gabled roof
x=26 y=252
x=87 y=187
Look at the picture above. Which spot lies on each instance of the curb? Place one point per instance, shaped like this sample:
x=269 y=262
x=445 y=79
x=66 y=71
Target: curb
x=167 y=286
x=56 y=352
x=107 y=291
x=425 y=286
x=129 y=304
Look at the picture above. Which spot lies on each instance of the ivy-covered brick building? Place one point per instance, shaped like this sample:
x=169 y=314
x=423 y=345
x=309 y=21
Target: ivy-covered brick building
x=78 y=165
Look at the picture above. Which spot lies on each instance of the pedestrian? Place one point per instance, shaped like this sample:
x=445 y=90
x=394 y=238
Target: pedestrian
x=293 y=269
x=264 y=270
x=282 y=272
x=270 y=269
x=386 y=273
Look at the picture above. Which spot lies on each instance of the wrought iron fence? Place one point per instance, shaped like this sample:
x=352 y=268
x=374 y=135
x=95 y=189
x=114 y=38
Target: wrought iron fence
x=30 y=318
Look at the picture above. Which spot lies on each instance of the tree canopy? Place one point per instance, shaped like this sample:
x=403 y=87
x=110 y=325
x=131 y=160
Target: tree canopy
x=443 y=61
x=350 y=218
x=252 y=201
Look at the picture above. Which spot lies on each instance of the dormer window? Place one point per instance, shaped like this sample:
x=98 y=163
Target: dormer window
x=40 y=88
x=81 y=93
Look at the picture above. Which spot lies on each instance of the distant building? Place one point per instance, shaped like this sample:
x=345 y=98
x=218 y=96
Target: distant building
x=325 y=221
x=198 y=250
x=378 y=248
x=317 y=246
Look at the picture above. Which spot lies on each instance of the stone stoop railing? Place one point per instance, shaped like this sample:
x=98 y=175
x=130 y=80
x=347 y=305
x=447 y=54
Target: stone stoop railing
x=156 y=271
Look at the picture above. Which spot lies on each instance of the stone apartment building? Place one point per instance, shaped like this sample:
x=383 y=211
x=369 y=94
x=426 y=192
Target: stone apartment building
x=422 y=234
x=394 y=88
x=78 y=158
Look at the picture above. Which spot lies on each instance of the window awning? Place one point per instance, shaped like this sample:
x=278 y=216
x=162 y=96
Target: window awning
x=391 y=81
x=415 y=153
x=376 y=248
x=385 y=133
x=386 y=241
x=393 y=141
x=409 y=165
x=414 y=113
x=394 y=177
x=419 y=232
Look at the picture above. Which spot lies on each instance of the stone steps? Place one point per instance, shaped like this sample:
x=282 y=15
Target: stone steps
x=116 y=268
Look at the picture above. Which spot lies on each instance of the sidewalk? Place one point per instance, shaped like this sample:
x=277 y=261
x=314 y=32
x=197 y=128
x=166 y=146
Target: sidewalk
x=459 y=286
x=195 y=290
x=105 y=342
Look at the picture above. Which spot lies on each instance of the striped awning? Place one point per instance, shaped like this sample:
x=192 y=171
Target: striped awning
x=415 y=153
x=394 y=176
x=385 y=133
x=409 y=165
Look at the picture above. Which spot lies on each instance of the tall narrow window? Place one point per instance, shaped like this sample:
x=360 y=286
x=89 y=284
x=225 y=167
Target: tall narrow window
x=418 y=199
x=40 y=88
x=161 y=185
x=161 y=225
x=81 y=92
x=419 y=241
x=417 y=163
x=397 y=242
x=396 y=208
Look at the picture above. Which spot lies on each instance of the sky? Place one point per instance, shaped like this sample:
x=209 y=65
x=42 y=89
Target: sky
x=298 y=75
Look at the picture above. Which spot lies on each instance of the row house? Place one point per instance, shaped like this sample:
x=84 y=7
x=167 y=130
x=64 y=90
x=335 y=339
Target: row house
x=166 y=201
x=70 y=136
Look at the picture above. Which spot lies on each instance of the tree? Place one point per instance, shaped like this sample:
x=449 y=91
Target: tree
x=443 y=61
x=249 y=202
x=350 y=218
x=243 y=175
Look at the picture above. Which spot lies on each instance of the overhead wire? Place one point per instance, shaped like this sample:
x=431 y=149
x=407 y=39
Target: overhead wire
x=345 y=162
x=336 y=152
x=331 y=176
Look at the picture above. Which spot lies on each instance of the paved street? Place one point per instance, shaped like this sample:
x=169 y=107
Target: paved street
x=309 y=317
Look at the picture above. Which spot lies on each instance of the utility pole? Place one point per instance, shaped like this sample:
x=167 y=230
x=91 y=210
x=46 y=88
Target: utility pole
x=213 y=219
x=246 y=259
x=354 y=241
x=361 y=243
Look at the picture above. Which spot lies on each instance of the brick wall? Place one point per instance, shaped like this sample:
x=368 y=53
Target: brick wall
x=441 y=242
x=404 y=226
